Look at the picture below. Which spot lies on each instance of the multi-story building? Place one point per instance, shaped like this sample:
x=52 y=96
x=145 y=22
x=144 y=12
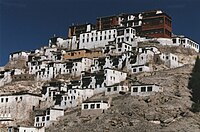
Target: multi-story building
x=18 y=106
x=150 y=23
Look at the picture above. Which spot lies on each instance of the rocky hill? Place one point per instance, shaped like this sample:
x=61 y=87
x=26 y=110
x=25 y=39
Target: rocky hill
x=163 y=112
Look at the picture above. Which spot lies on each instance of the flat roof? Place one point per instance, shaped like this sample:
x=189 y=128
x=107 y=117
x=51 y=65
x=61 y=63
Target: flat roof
x=21 y=93
x=95 y=101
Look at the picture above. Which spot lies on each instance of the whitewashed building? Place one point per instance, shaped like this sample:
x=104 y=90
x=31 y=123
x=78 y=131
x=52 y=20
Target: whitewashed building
x=119 y=88
x=170 y=60
x=18 y=106
x=99 y=38
x=145 y=89
x=44 y=118
x=19 y=55
x=81 y=64
x=113 y=76
x=25 y=129
x=185 y=42
x=6 y=77
x=75 y=97
x=139 y=68
x=93 y=108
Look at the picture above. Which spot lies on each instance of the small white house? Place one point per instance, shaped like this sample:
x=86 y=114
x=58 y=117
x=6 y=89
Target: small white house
x=140 y=68
x=19 y=55
x=170 y=60
x=25 y=129
x=113 y=76
x=145 y=89
x=44 y=118
x=119 y=88
x=5 y=77
x=94 y=107
x=186 y=42
x=18 y=106
x=75 y=97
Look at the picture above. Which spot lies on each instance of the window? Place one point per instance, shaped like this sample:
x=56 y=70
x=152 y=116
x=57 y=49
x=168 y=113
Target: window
x=98 y=105
x=127 y=38
x=174 y=41
x=127 y=30
x=1 y=99
x=140 y=69
x=149 y=89
x=118 y=40
x=48 y=112
x=134 y=70
x=115 y=89
x=109 y=89
x=85 y=106
x=48 y=118
x=92 y=106
x=135 y=89
x=37 y=119
x=43 y=118
x=143 y=89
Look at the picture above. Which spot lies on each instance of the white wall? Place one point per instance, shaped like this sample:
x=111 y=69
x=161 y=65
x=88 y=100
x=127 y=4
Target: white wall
x=170 y=60
x=140 y=68
x=114 y=76
x=31 y=129
x=18 y=106
x=102 y=105
x=95 y=39
x=53 y=116
x=19 y=55
x=111 y=90
x=154 y=88
x=186 y=43
x=75 y=97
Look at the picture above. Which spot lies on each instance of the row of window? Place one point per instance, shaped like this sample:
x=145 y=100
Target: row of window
x=92 y=106
x=167 y=58
x=143 y=89
x=184 y=41
x=43 y=118
x=100 y=32
x=92 y=39
x=2 y=100
x=6 y=99
x=139 y=69
x=109 y=89
x=122 y=39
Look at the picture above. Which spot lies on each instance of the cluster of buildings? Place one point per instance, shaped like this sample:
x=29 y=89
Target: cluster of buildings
x=93 y=59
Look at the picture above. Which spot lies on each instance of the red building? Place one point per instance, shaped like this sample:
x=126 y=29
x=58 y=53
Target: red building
x=156 y=24
x=149 y=23
x=107 y=22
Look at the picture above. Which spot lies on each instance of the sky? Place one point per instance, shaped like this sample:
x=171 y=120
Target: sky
x=28 y=24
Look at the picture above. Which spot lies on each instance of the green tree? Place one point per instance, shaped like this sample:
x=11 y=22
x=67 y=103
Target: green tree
x=194 y=86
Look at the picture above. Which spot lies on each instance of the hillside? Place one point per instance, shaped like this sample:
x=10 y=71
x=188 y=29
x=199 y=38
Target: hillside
x=167 y=111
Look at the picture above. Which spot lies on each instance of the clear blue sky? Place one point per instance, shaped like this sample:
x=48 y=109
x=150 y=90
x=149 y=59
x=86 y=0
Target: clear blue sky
x=28 y=24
